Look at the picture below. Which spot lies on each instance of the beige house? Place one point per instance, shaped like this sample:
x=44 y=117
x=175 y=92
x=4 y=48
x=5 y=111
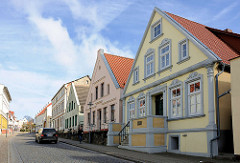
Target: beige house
x=108 y=80
x=75 y=106
x=59 y=102
x=235 y=92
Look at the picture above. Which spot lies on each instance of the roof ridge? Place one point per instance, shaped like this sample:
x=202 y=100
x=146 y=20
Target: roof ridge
x=118 y=56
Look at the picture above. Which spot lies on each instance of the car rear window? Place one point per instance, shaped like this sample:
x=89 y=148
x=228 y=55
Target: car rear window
x=45 y=131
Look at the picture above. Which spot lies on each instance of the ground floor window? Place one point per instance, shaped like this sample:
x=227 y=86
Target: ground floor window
x=194 y=95
x=141 y=107
x=132 y=109
x=75 y=120
x=104 y=115
x=174 y=142
x=112 y=112
x=176 y=102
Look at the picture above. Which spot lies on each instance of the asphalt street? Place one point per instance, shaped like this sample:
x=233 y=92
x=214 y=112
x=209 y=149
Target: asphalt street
x=24 y=149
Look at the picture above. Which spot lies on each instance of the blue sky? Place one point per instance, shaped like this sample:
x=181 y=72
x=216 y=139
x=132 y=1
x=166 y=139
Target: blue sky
x=46 y=43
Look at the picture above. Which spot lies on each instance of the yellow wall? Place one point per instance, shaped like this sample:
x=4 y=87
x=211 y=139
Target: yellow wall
x=115 y=139
x=235 y=92
x=158 y=123
x=4 y=122
x=139 y=140
x=117 y=127
x=225 y=101
x=159 y=139
x=142 y=120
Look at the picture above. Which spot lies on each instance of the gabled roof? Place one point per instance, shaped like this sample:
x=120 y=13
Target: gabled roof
x=82 y=92
x=207 y=37
x=44 y=109
x=120 y=67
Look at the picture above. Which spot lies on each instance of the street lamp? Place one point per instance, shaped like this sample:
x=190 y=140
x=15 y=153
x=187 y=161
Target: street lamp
x=90 y=104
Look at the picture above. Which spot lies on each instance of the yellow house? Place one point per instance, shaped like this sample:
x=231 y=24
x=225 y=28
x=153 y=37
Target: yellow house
x=235 y=78
x=173 y=100
x=5 y=99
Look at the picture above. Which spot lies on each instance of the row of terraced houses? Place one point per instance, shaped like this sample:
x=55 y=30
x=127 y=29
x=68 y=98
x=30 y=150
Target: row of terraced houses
x=180 y=94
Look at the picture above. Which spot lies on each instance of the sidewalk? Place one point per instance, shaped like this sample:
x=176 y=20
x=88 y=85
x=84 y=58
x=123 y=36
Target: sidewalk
x=139 y=156
x=4 y=148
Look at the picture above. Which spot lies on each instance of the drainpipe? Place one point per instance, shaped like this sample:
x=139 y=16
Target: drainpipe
x=218 y=112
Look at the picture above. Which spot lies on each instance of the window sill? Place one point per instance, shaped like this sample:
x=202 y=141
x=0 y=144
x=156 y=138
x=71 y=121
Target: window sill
x=149 y=76
x=136 y=82
x=155 y=38
x=165 y=69
x=188 y=117
x=183 y=60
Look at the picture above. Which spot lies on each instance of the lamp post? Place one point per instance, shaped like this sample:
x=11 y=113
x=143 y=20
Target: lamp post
x=90 y=104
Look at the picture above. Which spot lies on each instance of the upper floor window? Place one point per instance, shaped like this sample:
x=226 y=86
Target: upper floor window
x=102 y=89
x=183 y=50
x=165 y=54
x=96 y=93
x=93 y=117
x=108 y=88
x=156 y=29
x=136 y=75
x=149 y=63
x=112 y=112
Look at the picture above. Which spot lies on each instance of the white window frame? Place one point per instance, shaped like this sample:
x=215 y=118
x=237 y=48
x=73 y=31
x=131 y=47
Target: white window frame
x=131 y=108
x=192 y=79
x=150 y=52
x=136 y=75
x=180 y=47
x=153 y=26
x=194 y=95
x=166 y=42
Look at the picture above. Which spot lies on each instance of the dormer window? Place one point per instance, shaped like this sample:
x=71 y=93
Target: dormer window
x=156 y=29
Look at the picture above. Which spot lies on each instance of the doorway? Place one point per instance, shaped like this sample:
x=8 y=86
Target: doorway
x=159 y=104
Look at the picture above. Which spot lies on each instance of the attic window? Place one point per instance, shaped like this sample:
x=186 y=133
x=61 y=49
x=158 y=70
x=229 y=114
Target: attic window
x=156 y=30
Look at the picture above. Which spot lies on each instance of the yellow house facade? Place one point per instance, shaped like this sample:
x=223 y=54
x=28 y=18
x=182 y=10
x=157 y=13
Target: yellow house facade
x=169 y=101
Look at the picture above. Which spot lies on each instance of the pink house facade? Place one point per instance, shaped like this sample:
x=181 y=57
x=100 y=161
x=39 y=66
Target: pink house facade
x=108 y=80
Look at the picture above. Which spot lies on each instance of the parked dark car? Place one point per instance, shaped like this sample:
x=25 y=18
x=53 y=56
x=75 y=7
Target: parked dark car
x=46 y=134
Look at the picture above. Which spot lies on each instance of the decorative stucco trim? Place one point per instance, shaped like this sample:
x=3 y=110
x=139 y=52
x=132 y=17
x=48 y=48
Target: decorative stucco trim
x=170 y=77
x=109 y=70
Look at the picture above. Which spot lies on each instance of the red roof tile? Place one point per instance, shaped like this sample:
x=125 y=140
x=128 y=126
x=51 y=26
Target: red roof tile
x=208 y=38
x=44 y=109
x=121 y=67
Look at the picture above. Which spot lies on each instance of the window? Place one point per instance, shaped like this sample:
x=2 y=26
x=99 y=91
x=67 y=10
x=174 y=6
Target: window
x=194 y=97
x=176 y=102
x=174 y=141
x=75 y=120
x=141 y=107
x=136 y=75
x=66 y=123
x=156 y=29
x=89 y=119
x=131 y=110
x=70 y=122
x=69 y=107
x=149 y=64
x=82 y=109
x=112 y=112
x=183 y=50
x=165 y=56
x=93 y=117
x=108 y=87
x=96 y=93
x=72 y=105
x=102 y=89
x=104 y=115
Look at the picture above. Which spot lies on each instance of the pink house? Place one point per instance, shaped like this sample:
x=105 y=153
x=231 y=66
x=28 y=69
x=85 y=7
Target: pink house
x=108 y=80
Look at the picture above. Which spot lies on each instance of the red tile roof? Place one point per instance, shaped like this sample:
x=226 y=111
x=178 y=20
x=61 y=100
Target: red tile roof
x=121 y=67
x=44 y=109
x=207 y=37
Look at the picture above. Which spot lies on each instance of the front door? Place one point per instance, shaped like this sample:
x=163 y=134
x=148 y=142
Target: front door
x=159 y=104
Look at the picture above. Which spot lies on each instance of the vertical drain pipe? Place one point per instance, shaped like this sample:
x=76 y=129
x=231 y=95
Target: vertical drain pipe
x=218 y=114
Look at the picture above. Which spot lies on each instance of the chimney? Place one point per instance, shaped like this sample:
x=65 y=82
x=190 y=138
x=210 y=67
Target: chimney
x=228 y=30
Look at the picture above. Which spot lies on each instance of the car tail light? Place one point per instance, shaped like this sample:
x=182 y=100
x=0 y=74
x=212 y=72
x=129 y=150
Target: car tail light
x=42 y=135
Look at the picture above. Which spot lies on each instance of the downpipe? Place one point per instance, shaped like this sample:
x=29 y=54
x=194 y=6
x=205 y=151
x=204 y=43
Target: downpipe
x=218 y=112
